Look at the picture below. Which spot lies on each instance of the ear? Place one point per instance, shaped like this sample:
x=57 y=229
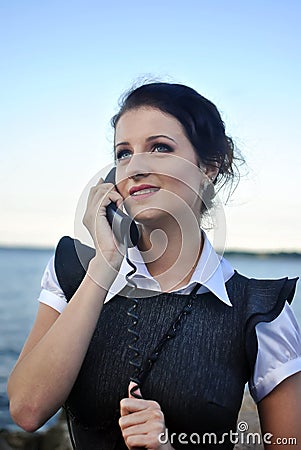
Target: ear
x=211 y=171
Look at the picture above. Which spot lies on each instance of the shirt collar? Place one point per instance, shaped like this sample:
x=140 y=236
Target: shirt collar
x=212 y=272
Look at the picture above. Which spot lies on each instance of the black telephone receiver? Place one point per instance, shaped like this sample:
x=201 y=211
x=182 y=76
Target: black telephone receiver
x=124 y=228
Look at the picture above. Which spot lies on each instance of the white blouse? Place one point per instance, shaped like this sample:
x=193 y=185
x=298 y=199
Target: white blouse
x=279 y=341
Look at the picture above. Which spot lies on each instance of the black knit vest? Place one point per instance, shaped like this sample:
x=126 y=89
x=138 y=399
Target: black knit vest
x=199 y=377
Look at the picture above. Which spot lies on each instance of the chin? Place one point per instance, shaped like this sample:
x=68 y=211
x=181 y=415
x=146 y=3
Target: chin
x=148 y=215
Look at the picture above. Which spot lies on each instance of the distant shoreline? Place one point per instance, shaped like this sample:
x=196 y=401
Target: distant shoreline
x=262 y=254
x=258 y=253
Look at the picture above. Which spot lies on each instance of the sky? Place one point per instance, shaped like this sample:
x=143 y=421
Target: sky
x=64 y=65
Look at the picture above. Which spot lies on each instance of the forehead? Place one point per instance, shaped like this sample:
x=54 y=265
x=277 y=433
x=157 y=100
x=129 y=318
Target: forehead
x=144 y=121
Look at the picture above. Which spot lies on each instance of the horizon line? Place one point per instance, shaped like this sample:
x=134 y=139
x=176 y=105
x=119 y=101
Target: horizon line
x=241 y=251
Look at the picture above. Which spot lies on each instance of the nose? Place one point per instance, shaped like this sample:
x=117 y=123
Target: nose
x=138 y=166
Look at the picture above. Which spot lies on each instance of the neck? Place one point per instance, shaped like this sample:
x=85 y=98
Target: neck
x=171 y=252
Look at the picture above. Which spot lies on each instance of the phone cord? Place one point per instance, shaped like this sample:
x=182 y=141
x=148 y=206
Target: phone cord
x=136 y=359
x=142 y=369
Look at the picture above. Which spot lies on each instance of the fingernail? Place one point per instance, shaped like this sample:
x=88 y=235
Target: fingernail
x=133 y=392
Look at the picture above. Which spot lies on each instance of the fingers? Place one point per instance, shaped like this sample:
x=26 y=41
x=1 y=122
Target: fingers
x=102 y=194
x=127 y=407
x=131 y=405
x=142 y=441
x=142 y=423
x=100 y=181
x=134 y=414
x=133 y=387
x=95 y=220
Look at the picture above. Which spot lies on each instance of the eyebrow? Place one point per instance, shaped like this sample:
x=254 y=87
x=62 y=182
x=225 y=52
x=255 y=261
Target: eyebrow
x=150 y=138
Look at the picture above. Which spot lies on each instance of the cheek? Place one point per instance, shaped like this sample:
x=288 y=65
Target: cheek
x=183 y=169
x=191 y=186
x=188 y=179
x=183 y=193
x=190 y=192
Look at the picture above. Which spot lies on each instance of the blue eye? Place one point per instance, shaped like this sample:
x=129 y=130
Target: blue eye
x=162 y=148
x=123 y=154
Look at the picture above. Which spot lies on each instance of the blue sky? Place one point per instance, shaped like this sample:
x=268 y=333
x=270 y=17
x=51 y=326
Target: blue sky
x=64 y=64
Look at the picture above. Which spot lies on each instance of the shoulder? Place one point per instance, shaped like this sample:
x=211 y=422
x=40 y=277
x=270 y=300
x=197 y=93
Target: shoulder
x=262 y=293
x=72 y=249
x=71 y=261
x=260 y=300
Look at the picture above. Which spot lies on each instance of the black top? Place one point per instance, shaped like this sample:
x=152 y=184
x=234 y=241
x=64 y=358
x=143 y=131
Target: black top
x=200 y=374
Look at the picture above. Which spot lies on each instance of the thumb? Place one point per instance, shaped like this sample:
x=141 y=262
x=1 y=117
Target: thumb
x=134 y=390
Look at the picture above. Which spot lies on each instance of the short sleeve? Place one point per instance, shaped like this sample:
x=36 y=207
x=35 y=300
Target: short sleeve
x=279 y=353
x=51 y=293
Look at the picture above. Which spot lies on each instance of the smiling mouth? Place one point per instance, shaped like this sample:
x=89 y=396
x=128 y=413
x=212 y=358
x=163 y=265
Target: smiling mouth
x=144 y=192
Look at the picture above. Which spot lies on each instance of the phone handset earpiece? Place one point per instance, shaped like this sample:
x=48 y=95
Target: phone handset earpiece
x=123 y=226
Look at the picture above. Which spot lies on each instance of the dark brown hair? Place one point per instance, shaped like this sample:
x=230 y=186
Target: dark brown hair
x=201 y=122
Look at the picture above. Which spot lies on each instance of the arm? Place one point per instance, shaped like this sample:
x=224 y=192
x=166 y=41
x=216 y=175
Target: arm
x=52 y=357
x=53 y=354
x=280 y=414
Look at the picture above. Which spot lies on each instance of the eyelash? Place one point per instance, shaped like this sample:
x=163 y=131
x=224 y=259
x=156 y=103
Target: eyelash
x=122 y=152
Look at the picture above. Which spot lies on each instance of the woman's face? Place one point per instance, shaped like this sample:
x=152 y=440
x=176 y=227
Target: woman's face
x=157 y=167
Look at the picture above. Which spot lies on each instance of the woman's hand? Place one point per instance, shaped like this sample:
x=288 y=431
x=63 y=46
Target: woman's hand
x=95 y=220
x=141 y=423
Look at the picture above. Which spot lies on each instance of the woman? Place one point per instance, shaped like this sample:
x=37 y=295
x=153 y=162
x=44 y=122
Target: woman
x=168 y=369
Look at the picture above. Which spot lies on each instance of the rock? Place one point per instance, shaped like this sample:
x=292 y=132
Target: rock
x=57 y=438
x=21 y=440
x=4 y=445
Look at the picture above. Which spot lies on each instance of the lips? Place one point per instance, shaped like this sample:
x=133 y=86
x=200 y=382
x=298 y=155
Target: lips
x=143 y=189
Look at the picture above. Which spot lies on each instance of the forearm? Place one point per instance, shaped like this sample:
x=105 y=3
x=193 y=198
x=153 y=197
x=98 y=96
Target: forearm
x=43 y=378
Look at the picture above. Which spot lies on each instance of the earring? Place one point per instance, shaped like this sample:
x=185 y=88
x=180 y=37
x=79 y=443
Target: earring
x=207 y=184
